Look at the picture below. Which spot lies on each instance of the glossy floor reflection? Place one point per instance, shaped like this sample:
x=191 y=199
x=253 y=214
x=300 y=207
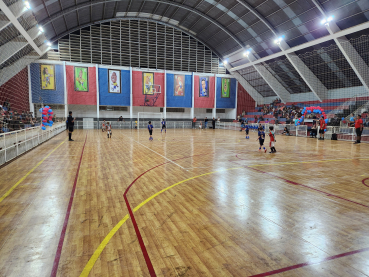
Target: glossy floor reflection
x=206 y=203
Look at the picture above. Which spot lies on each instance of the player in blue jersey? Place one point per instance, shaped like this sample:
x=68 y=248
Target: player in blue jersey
x=247 y=129
x=261 y=138
x=150 y=127
x=163 y=126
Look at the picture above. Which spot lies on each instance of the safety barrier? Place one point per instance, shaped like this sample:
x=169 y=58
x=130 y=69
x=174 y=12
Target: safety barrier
x=13 y=144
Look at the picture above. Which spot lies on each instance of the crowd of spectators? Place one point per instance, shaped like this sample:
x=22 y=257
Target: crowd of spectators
x=12 y=120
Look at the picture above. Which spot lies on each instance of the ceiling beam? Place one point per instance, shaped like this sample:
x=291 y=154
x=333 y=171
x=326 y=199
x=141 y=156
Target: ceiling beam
x=238 y=55
x=17 y=9
x=258 y=15
x=175 y=4
x=356 y=62
x=135 y=18
x=16 y=23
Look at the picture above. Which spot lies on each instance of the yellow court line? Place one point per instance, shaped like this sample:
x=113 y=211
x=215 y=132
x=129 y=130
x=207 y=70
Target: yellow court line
x=100 y=248
x=28 y=173
x=98 y=251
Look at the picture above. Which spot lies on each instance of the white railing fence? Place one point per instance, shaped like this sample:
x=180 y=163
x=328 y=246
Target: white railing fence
x=13 y=144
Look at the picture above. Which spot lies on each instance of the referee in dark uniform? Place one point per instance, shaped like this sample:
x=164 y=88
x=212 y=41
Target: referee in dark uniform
x=70 y=125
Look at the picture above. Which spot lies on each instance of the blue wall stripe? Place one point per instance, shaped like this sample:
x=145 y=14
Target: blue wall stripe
x=47 y=96
x=114 y=99
x=179 y=101
x=226 y=103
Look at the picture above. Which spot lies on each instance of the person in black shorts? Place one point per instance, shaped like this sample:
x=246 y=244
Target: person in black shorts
x=261 y=138
x=70 y=122
x=163 y=126
x=150 y=127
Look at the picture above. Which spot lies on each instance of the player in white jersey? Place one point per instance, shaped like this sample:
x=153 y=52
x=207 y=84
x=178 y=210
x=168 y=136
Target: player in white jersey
x=108 y=129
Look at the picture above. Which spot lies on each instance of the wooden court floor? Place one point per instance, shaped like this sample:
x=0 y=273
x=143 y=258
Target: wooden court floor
x=189 y=203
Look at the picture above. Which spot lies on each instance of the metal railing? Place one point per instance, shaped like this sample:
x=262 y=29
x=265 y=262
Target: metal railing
x=13 y=144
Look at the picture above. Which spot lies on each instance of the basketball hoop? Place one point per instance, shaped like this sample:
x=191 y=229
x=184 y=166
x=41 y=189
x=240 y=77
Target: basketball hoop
x=150 y=99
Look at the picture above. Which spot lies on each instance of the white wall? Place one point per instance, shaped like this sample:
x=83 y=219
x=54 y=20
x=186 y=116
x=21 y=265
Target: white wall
x=200 y=113
x=114 y=114
x=186 y=114
x=83 y=110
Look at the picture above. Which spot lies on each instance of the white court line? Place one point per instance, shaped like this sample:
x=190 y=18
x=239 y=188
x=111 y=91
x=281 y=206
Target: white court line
x=160 y=155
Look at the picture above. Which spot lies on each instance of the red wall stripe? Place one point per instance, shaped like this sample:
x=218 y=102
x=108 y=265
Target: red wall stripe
x=16 y=92
x=80 y=97
x=244 y=101
x=138 y=97
x=204 y=102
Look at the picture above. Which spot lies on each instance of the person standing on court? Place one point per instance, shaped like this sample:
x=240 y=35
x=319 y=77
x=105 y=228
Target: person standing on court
x=206 y=122
x=358 y=128
x=70 y=125
x=213 y=122
x=194 y=122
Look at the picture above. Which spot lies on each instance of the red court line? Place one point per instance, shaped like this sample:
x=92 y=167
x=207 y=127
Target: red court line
x=364 y=182
x=138 y=234
x=62 y=235
x=305 y=186
x=312 y=262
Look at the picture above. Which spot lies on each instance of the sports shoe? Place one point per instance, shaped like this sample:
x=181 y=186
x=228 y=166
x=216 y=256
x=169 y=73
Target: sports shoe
x=71 y=140
x=265 y=151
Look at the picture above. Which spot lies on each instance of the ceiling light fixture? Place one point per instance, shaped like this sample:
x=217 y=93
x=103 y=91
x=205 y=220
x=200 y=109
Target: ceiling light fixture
x=41 y=29
x=27 y=4
x=48 y=43
x=326 y=21
x=278 y=40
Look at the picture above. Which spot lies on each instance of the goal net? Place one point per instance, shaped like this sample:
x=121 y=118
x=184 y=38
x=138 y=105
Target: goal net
x=143 y=119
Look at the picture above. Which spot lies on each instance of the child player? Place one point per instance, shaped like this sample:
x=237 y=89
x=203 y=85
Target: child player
x=272 y=140
x=247 y=130
x=322 y=126
x=150 y=127
x=103 y=126
x=163 y=126
x=108 y=129
x=261 y=137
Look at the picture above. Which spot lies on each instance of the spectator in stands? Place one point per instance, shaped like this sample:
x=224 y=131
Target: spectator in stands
x=352 y=120
x=314 y=130
x=286 y=131
x=120 y=118
x=359 y=129
x=255 y=119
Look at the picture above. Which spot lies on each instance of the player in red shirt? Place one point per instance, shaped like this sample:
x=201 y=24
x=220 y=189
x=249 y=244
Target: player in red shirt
x=322 y=126
x=272 y=140
x=358 y=128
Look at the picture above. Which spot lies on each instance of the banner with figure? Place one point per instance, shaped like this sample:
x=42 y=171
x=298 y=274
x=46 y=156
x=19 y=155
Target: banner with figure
x=47 y=76
x=179 y=85
x=148 y=82
x=225 y=87
x=81 y=79
x=114 y=81
x=204 y=86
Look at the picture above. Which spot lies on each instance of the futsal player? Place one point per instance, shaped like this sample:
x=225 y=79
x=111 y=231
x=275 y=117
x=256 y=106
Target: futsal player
x=272 y=140
x=150 y=127
x=103 y=126
x=163 y=126
x=247 y=129
x=358 y=128
x=322 y=126
x=108 y=129
x=261 y=138
x=70 y=125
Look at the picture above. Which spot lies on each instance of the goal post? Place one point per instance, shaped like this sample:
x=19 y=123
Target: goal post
x=144 y=117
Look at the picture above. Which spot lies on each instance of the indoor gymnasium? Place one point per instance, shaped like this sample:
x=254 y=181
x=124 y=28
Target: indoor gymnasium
x=184 y=138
